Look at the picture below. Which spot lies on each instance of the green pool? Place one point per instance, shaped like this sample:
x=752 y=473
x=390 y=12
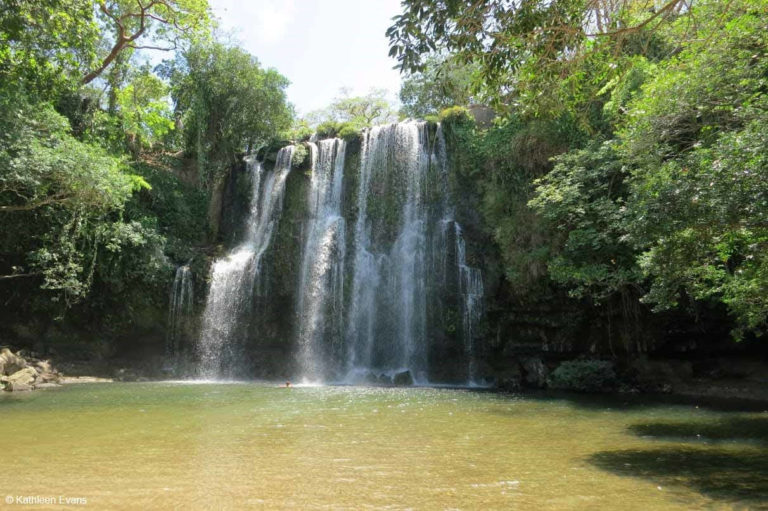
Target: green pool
x=241 y=446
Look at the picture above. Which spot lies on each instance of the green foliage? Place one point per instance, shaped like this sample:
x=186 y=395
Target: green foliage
x=41 y=164
x=702 y=219
x=300 y=131
x=348 y=132
x=698 y=205
x=217 y=89
x=503 y=161
x=456 y=115
x=582 y=201
x=60 y=197
x=584 y=376
x=443 y=82
x=166 y=25
x=145 y=110
x=327 y=129
x=356 y=111
x=299 y=156
x=44 y=44
x=180 y=208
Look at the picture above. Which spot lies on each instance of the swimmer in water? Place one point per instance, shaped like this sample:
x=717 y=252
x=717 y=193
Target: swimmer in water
x=287 y=384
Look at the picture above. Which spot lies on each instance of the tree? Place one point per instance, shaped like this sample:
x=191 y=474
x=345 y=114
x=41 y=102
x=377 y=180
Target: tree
x=442 y=83
x=696 y=135
x=529 y=45
x=58 y=199
x=356 y=111
x=227 y=103
x=145 y=109
x=149 y=24
x=45 y=43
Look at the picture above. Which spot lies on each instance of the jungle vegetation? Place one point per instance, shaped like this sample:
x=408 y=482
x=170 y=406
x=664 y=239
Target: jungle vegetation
x=626 y=169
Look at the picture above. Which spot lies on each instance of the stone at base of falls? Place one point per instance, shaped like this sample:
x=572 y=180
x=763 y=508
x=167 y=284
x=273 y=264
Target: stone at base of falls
x=403 y=378
x=10 y=363
x=21 y=380
x=18 y=387
x=20 y=374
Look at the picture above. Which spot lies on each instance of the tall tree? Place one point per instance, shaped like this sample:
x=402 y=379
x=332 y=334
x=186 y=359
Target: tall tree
x=442 y=83
x=149 y=24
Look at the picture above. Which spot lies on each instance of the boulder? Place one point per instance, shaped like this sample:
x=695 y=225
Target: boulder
x=535 y=372
x=26 y=376
x=403 y=378
x=18 y=387
x=10 y=363
x=43 y=366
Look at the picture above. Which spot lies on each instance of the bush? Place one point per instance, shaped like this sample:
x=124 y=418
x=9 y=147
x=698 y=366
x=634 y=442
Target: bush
x=456 y=115
x=584 y=376
x=299 y=156
x=348 y=132
x=328 y=129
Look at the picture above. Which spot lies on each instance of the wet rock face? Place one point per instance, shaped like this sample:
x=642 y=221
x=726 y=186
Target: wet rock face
x=18 y=373
x=535 y=372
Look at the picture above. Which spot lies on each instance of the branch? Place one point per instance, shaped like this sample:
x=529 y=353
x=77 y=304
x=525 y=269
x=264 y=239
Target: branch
x=120 y=42
x=18 y=275
x=135 y=47
x=29 y=207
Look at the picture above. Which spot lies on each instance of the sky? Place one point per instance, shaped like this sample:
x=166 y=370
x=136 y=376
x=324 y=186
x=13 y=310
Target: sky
x=319 y=45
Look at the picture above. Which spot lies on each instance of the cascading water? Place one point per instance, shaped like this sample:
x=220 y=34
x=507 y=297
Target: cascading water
x=471 y=293
x=386 y=325
x=370 y=263
x=233 y=277
x=179 y=312
x=469 y=280
x=321 y=286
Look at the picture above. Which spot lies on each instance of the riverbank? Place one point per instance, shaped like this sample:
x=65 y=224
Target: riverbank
x=715 y=379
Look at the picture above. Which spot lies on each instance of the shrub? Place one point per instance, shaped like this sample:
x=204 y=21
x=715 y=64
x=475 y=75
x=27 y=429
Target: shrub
x=584 y=376
x=348 y=132
x=328 y=129
x=300 y=153
x=456 y=115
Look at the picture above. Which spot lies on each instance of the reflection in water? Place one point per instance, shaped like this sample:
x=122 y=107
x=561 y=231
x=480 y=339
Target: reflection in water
x=240 y=446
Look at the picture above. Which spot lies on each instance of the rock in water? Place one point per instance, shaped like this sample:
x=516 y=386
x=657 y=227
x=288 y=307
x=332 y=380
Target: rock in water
x=403 y=378
x=21 y=380
x=18 y=387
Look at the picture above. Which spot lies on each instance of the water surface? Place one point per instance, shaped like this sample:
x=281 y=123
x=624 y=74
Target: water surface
x=236 y=446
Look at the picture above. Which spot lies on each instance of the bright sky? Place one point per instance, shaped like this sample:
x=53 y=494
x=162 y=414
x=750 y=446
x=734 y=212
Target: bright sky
x=320 y=45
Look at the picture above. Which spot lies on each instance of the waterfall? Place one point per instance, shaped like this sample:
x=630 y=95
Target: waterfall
x=372 y=275
x=386 y=324
x=230 y=296
x=179 y=312
x=471 y=293
x=321 y=284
